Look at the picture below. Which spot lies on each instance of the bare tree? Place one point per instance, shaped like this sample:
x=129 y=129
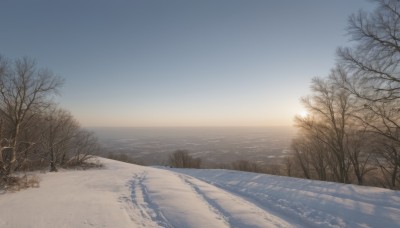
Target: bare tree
x=354 y=120
x=311 y=154
x=302 y=156
x=332 y=108
x=333 y=137
x=85 y=145
x=25 y=91
x=33 y=130
x=374 y=61
x=370 y=72
x=388 y=161
x=57 y=135
x=358 y=147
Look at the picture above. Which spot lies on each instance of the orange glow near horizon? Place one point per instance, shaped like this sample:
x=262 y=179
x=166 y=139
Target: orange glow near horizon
x=170 y=120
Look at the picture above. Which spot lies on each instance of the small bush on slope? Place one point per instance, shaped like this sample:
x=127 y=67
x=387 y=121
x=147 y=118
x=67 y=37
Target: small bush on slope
x=16 y=183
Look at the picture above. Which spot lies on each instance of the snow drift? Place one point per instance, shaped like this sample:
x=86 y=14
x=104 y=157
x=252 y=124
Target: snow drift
x=126 y=195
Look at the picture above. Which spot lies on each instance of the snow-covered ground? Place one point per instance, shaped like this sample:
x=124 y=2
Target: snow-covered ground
x=125 y=195
x=308 y=203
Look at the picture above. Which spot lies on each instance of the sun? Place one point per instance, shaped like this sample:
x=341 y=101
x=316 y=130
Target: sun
x=303 y=114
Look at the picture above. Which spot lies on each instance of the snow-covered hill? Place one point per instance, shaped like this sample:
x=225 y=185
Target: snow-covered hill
x=125 y=195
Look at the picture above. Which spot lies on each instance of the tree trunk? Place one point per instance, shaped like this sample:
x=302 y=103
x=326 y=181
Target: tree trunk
x=53 y=167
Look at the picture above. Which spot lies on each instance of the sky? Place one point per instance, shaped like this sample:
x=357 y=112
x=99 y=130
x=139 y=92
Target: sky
x=163 y=63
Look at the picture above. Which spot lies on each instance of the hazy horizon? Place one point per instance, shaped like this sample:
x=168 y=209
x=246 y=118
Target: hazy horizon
x=194 y=126
x=152 y=145
x=126 y=131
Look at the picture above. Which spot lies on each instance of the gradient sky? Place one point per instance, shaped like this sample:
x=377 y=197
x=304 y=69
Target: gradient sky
x=180 y=63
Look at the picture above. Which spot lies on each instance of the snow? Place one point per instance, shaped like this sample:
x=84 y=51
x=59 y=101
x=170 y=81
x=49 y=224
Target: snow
x=126 y=195
x=309 y=203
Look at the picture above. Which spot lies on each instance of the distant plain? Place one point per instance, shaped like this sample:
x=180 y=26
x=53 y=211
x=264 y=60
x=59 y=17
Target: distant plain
x=214 y=145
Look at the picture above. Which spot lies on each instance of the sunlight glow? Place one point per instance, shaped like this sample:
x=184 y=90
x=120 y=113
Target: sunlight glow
x=303 y=114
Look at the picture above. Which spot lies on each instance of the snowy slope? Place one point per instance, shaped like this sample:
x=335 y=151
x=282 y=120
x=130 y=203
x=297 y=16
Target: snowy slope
x=309 y=203
x=125 y=195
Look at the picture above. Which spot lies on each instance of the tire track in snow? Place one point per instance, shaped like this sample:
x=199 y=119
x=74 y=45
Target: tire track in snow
x=214 y=207
x=179 y=203
x=235 y=210
x=212 y=204
x=295 y=211
x=141 y=202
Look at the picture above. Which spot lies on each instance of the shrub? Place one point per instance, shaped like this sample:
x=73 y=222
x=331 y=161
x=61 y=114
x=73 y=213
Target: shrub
x=182 y=159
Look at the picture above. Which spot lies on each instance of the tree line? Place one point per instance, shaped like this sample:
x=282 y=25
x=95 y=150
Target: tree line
x=34 y=131
x=352 y=132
